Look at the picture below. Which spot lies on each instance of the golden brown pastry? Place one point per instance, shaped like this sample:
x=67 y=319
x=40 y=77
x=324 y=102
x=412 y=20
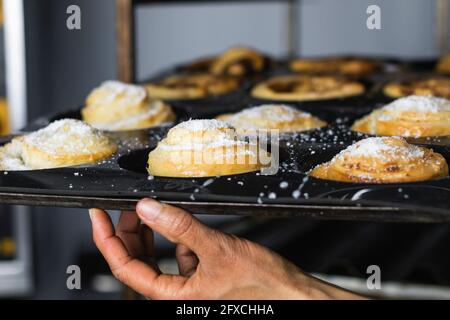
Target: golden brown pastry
x=116 y=106
x=432 y=86
x=443 y=65
x=273 y=116
x=203 y=148
x=202 y=65
x=348 y=66
x=412 y=116
x=62 y=143
x=238 y=61
x=193 y=86
x=383 y=160
x=304 y=88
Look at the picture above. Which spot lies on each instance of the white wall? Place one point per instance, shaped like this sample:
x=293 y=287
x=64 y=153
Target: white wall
x=173 y=33
x=169 y=34
x=339 y=26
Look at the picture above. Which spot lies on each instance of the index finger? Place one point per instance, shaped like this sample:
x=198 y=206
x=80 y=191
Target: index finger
x=133 y=272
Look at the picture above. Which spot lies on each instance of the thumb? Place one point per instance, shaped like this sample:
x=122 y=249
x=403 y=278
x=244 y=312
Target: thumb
x=177 y=225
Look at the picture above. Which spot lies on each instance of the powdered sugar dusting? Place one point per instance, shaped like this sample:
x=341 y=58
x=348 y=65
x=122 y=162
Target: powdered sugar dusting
x=202 y=124
x=382 y=148
x=215 y=136
x=422 y=104
x=115 y=89
x=66 y=135
x=273 y=112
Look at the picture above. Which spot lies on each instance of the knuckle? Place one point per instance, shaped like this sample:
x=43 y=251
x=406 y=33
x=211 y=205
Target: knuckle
x=120 y=272
x=181 y=225
x=223 y=245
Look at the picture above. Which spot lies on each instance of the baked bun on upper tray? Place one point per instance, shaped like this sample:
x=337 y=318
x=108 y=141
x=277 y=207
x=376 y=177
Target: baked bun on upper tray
x=411 y=116
x=443 y=65
x=191 y=86
x=437 y=86
x=236 y=61
x=348 y=66
x=116 y=106
x=383 y=160
x=307 y=88
x=273 y=116
x=62 y=143
x=203 y=148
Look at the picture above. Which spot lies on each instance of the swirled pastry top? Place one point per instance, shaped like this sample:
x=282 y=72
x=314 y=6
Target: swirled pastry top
x=412 y=116
x=202 y=148
x=236 y=61
x=432 y=86
x=116 y=106
x=304 y=87
x=350 y=66
x=273 y=116
x=193 y=86
x=383 y=160
x=443 y=65
x=62 y=143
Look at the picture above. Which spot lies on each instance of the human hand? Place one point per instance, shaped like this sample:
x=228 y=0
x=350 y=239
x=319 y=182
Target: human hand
x=212 y=264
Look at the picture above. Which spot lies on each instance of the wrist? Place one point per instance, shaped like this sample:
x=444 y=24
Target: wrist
x=310 y=288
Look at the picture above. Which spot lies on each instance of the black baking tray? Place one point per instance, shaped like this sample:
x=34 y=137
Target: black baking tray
x=119 y=182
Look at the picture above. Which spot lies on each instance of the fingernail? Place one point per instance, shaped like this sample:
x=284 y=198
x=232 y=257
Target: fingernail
x=91 y=213
x=148 y=208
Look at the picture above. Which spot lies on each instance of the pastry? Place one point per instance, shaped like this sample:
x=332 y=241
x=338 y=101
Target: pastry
x=203 y=148
x=62 y=143
x=116 y=106
x=383 y=160
x=412 y=116
x=443 y=65
x=201 y=65
x=434 y=86
x=273 y=116
x=348 y=66
x=238 y=61
x=303 y=88
x=193 y=86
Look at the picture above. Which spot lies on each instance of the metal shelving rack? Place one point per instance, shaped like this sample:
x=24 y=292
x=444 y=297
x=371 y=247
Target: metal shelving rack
x=125 y=24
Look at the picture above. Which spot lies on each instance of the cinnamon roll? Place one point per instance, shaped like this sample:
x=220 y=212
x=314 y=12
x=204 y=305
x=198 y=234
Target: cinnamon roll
x=193 y=86
x=304 y=88
x=116 y=106
x=412 y=116
x=431 y=86
x=349 y=66
x=443 y=65
x=383 y=160
x=203 y=148
x=238 y=61
x=272 y=116
x=62 y=143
